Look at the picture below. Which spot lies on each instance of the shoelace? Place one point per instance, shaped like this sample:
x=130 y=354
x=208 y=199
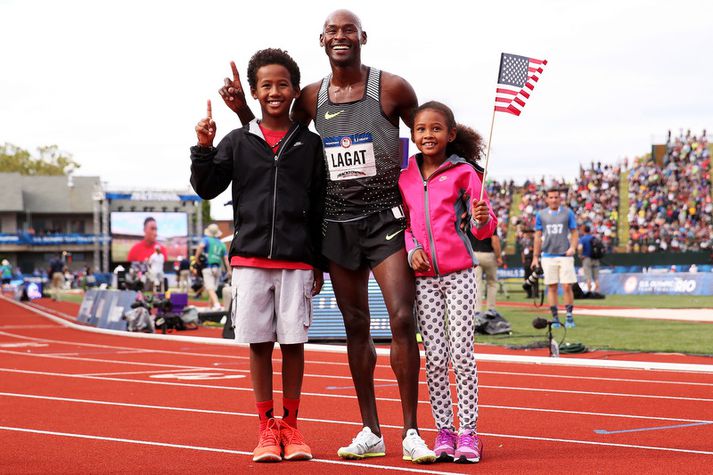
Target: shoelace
x=417 y=441
x=361 y=440
x=467 y=438
x=290 y=435
x=271 y=434
x=444 y=437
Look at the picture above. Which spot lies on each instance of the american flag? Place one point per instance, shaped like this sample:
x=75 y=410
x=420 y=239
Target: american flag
x=516 y=80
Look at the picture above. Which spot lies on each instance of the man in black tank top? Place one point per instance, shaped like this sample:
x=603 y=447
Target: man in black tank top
x=360 y=236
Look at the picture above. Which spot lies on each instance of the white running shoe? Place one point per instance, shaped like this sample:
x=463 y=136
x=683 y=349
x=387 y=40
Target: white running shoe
x=365 y=444
x=416 y=450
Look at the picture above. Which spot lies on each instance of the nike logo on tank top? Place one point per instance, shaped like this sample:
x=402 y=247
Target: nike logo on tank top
x=361 y=149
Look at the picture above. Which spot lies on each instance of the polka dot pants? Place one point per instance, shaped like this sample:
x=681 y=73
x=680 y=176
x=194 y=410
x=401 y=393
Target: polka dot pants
x=444 y=306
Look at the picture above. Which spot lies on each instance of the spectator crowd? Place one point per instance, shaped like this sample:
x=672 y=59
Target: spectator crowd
x=670 y=207
x=500 y=194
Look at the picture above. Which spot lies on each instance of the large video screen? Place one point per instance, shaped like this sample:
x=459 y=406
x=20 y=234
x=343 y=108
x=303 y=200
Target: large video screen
x=135 y=235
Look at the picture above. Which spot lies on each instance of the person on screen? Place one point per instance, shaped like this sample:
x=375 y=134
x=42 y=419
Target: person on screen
x=143 y=249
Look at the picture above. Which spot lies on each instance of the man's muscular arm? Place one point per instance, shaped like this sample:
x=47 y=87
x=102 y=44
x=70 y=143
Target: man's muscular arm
x=305 y=107
x=398 y=99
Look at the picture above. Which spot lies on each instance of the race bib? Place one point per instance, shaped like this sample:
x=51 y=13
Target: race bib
x=350 y=156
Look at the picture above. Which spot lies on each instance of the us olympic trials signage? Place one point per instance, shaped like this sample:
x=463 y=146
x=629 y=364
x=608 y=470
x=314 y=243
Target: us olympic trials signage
x=662 y=284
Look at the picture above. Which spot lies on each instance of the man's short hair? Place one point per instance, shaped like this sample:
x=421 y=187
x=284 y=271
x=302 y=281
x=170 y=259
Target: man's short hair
x=148 y=220
x=554 y=189
x=266 y=57
x=587 y=228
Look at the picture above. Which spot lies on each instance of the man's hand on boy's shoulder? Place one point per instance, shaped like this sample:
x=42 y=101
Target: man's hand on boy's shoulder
x=305 y=107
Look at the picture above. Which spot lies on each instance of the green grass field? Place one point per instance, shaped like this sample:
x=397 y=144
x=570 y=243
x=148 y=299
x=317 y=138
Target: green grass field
x=612 y=333
x=606 y=333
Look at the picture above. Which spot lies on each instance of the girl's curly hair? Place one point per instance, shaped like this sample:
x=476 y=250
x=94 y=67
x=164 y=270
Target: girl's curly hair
x=468 y=143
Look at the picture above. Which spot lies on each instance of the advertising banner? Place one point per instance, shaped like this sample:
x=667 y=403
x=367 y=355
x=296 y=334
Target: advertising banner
x=662 y=284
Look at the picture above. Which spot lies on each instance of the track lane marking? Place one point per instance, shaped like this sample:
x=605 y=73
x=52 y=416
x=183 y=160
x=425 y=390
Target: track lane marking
x=335 y=363
x=643 y=429
x=499 y=358
x=342 y=396
x=480 y=386
x=214 y=449
x=122 y=373
x=328 y=421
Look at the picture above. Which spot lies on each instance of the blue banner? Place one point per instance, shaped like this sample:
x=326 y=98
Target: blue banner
x=152 y=196
x=657 y=284
x=49 y=240
x=511 y=272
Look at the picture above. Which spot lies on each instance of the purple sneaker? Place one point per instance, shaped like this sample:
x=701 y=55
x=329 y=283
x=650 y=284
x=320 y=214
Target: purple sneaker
x=469 y=448
x=445 y=446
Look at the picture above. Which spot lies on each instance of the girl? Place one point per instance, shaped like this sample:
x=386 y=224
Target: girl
x=440 y=189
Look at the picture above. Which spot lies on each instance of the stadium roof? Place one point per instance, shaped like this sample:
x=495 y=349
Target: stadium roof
x=46 y=194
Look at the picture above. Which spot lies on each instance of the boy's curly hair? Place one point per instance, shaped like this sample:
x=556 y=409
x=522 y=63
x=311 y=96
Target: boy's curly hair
x=468 y=143
x=268 y=56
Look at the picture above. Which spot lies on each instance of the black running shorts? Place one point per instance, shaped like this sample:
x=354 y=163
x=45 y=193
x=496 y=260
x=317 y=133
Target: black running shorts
x=368 y=241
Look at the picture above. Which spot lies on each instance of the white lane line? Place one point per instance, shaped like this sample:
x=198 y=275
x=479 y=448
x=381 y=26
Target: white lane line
x=341 y=364
x=499 y=358
x=68 y=356
x=250 y=415
x=123 y=373
x=336 y=396
x=25 y=327
x=596 y=393
x=211 y=449
x=480 y=386
x=595 y=378
x=605 y=444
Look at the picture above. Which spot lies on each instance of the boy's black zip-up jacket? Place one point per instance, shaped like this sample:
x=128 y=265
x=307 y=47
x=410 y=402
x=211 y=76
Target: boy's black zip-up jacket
x=277 y=198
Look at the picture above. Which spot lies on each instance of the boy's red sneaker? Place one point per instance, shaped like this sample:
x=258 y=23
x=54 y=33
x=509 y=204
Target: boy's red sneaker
x=268 y=447
x=294 y=443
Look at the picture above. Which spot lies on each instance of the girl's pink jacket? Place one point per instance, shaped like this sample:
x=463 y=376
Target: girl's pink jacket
x=434 y=208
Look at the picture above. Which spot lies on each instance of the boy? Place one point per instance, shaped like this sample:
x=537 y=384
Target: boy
x=277 y=171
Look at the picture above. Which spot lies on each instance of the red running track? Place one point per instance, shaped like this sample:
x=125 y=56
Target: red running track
x=79 y=402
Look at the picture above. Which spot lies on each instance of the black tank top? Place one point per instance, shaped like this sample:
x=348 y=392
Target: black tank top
x=361 y=147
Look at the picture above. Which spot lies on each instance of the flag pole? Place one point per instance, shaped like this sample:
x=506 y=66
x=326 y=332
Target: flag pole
x=487 y=156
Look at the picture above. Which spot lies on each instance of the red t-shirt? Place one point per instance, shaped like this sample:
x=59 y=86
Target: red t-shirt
x=142 y=250
x=273 y=139
x=263 y=263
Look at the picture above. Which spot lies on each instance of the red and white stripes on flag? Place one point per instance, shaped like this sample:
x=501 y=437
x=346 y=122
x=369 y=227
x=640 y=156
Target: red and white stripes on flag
x=516 y=80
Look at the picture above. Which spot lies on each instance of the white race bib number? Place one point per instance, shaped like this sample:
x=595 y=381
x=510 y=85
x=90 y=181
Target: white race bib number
x=350 y=156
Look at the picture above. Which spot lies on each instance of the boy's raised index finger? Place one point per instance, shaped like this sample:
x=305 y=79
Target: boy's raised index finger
x=236 y=74
x=210 y=110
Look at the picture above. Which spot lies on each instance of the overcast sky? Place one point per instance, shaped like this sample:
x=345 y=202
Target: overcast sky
x=121 y=85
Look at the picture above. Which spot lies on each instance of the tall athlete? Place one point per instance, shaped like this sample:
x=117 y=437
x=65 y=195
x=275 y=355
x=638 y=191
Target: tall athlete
x=356 y=110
